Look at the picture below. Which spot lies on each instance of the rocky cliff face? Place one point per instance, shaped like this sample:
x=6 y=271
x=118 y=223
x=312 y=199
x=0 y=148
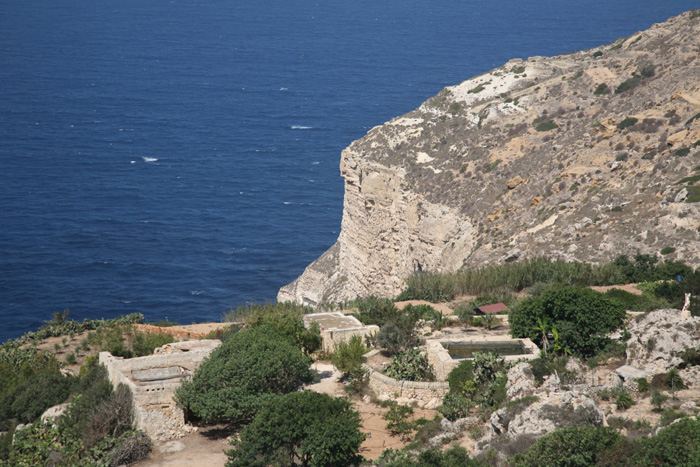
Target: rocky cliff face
x=581 y=157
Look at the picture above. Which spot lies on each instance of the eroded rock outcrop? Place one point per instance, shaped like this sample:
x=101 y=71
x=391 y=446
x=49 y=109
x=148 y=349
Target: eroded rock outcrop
x=580 y=157
x=658 y=338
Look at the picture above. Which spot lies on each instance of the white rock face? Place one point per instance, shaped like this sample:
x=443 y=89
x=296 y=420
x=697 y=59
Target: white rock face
x=521 y=381
x=553 y=411
x=466 y=180
x=388 y=234
x=658 y=337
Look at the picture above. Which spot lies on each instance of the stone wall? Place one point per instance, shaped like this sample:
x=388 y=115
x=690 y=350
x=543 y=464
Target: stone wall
x=443 y=363
x=424 y=394
x=153 y=381
x=333 y=336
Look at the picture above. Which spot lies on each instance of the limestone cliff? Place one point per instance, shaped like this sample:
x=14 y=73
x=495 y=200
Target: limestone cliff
x=582 y=157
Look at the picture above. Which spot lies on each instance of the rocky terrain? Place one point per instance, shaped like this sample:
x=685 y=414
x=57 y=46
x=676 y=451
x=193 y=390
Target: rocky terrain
x=581 y=157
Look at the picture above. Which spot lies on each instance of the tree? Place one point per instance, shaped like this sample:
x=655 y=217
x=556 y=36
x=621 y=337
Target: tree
x=582 y=318
x=675 y=381
x=348 y=355
x=300 y=429
x=657 y=399
x=243 y=373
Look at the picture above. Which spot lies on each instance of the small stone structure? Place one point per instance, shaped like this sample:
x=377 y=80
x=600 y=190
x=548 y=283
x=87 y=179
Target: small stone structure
x=153 y=381
x=428 y=394
x=337 y=327
x=443 y=363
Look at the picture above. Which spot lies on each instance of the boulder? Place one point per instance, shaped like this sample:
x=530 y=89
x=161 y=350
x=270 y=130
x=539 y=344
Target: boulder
x=54 y=412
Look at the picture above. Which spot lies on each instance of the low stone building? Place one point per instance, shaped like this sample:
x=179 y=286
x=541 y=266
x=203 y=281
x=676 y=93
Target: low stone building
x=337 y=327
x=153 y=381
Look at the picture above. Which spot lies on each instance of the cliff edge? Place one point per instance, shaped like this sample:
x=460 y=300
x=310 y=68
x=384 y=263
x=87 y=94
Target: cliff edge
x=583 y=156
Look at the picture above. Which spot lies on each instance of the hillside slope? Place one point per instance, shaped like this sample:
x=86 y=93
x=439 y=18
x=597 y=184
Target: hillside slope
x=582 y=157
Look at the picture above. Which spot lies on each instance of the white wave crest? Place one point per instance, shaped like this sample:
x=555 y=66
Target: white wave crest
x=149 y=159
x=301 y=127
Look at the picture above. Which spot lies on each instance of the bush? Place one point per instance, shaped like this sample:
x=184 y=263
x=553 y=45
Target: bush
x=624 y=401
x=348 y=355
x=411 y=365
x=455 y=405
x=465 y=313
x=667 y=250
x=145 y=343
x=30 y=383
x=456 y=456
x=658 y=399
x=131 y=449
x=677 y=445
x=287 y=319
x=601 y=89
x=546 y=126
x=460 y=375
x=244 y=373
x=399 y=423
x=302 y=428
x=626 y=85
x=582 y=318
x=572 y=447
x=627 y=122
x=397 y=333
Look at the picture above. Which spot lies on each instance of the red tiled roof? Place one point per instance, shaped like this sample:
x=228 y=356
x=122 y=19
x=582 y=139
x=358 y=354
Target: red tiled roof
x=494 y=308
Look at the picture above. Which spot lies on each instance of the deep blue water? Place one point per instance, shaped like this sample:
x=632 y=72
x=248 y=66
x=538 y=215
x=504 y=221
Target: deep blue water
x=177 y=158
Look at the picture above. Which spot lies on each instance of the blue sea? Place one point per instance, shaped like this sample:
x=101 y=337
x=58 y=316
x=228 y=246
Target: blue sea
x=179 y=158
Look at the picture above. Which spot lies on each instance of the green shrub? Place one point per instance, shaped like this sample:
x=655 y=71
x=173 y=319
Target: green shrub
x=348 y=355
x=693 y=194
x=301 y=428
x=29 y=387
x=456 y=456
x=399 y=421
x=647 y=71
x=455 y=406
x=460 y=375
x=677 y=445
x=243 y=373
x=597 y=54
x=627 y=122
x=667 y=250
x=682 y=152
x=287 y=319
x=396 y=339
x=582 y=318
x=643 y=385
x=626 y=85
x=145 y=343
x=658 y=399
x=411 y=365
x=601 y=89
x=546 y=126
x=573 y=446
x=624 y=401
x=465 y=313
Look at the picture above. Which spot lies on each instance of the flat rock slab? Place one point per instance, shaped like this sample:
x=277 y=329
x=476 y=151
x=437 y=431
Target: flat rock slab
x=332 y=321
x=630 y=372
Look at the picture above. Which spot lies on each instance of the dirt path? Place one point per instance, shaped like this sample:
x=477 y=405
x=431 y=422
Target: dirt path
x=205 y=448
